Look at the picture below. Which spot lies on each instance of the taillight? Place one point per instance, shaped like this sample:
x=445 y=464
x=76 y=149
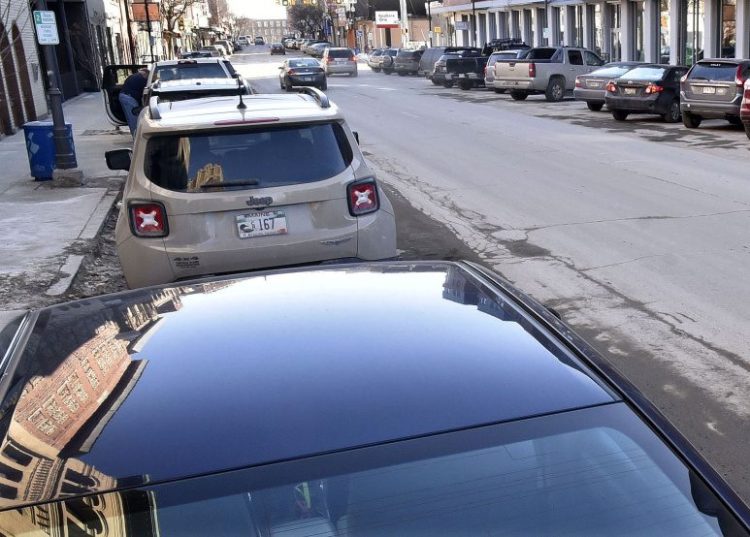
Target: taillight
x=611 y=87
x=653 y=88
x=148 y=220
x=363 y=197
x=578 y=82
x=739 y=78
x=532 y=70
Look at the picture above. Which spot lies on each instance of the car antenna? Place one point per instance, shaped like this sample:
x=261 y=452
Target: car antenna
x=241 y=86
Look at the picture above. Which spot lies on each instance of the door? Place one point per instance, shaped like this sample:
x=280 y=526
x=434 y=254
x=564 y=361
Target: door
x=113 y=79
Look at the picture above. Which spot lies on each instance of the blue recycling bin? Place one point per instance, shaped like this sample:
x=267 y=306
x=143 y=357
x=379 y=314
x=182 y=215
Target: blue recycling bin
x=40 y=147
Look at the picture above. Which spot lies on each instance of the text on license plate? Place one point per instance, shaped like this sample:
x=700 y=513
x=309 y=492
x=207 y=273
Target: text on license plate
x=709 y=90
x=629 y=91
x=261 y=223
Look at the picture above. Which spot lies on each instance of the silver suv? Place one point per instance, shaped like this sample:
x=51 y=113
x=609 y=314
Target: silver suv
x=238 y=183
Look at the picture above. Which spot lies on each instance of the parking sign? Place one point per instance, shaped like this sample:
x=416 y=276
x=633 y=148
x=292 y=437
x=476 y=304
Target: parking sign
x=46 y=28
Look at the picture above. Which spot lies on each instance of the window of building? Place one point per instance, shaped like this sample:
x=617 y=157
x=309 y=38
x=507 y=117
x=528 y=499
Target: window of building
x=664 y=35
x=561 y=24
x=597 y=28
x=639 y=54
x=728 y=29
x=516 y=24
x=691 y=39
x=578 y=40
x=615 y=20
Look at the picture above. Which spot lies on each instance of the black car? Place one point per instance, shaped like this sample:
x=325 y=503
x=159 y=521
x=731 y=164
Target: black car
x=407 y=398
x=406 y=61
x=713 y=89
x=592 y=87
x=440 y=75
x=433 y=54
x=649 y=89
x=302 y=72
x=277 y=48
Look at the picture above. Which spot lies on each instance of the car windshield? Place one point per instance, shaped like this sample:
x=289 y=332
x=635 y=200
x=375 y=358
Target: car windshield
x=187 y=70
x=716 y=71
x=408 y=54
x=304 y=62
x=647 y=73
x=596 y=471
x=258 y=158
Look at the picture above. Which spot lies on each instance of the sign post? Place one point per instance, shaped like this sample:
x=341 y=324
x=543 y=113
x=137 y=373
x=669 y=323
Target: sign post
x=48 y=37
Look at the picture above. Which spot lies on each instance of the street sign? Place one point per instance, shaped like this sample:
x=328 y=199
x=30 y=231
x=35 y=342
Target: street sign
x=437 y=30
x=462 y=25
x=546 y=33
x=46 y=28
x=386 y=19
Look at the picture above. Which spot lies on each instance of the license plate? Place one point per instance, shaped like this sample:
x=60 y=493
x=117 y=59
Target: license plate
x=709 y=90
x=594 y=84
x=261 y=223
x=307 y=78
x=629 y=91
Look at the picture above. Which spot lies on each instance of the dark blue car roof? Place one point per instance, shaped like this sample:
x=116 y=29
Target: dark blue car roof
x=164 y=383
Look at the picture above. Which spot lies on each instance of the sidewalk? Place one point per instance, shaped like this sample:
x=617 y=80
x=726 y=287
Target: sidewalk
x=46 y=229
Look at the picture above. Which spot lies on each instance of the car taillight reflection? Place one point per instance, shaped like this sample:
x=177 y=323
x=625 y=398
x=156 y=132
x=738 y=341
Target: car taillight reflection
x=363 y=197
x=148 y=220
x=611 y=87
x=739 y=77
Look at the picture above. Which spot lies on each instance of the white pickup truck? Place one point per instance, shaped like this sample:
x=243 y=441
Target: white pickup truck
x=548 y=70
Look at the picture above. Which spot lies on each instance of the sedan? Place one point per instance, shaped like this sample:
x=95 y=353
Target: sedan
x=302 y=72
x=453 y=405
x=277 y=48
x=649 y=89
x=591 y=87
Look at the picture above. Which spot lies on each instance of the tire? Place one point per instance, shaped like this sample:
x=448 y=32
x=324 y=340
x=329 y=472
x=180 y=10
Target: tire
x=619 y=115
x=281 y=83
x=448 y=84
x=673 y=114
x=288 y=87
x=737 y=122
x=555 y=91
x=498 y=90
x=518 y=95
x=465 y=84
x=402 y=73
x=594 y=107
x=691 y=121
x=435 y=82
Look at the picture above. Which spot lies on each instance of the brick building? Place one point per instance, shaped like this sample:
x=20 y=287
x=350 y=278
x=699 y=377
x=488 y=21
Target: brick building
x=271 y=30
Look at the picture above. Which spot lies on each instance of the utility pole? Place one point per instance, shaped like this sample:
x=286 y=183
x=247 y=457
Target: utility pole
x=65 y=157
x=404 y=16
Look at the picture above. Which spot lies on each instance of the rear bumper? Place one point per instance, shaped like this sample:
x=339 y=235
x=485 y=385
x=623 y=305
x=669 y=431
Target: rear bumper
x=406 y=68
x=313 y=81
x=648 y=105
x=589 y=95
x=711 y=110
x=334 y=69
x=513 y=84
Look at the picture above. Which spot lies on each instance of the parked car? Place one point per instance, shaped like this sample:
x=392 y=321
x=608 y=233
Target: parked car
x=387 y=60
x=745 y=108
x=550 y=71
x=225 y=184
x=432 y=55
x=406 y=61
x=237 y=407
x=440 y=74
x=713 y=89
x=259 y=41
x=277 y=48
x=192 y=69
x=226 y=45
x=338 y=60
x=592 y=87
x=182 y=90
x=195 y=54
x=316 y=50
x=288 y=42
x=373 y=59
x=302 y=72
x=308 y=47
x=214 y=50
x=243 y=41
x=649 y=89
x=489 y=70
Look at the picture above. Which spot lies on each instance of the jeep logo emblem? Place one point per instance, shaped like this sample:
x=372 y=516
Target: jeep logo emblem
x=260 y=203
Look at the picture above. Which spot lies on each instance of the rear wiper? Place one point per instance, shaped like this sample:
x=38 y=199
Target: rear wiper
x=229 y=184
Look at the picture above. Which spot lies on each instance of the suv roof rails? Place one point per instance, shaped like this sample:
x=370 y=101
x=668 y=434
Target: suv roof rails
x=318 y=95
x=153 y=107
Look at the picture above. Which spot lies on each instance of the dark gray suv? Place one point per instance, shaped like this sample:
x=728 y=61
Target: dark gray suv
x=712 y=89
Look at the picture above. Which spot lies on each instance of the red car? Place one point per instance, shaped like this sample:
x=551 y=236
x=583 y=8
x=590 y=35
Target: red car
x=745 y=108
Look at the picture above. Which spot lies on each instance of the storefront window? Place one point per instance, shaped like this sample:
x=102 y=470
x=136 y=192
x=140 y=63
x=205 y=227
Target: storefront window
x=561 y=22
x=615 y=15
x=728 y=28
x=692 y=38
x=639 y=53
x=664 y=31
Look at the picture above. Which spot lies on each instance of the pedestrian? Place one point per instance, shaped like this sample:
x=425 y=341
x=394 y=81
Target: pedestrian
x=131 y=96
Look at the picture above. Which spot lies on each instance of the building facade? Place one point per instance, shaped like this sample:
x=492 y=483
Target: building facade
x=22 y=96
x=271 y=30
x=664 y=31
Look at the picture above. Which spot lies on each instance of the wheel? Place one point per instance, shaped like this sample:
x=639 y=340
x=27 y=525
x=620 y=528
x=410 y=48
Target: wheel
x=619 y=115
x=555 y=90
x=673 y=113
x=435 y=82
x=281 y=83
x=518 y=95
x=734 y=120
x=594 y=106
x=465 y=84
x=498 y=90
x=288 y=85
x=691 y=121
x=448 y=84
x=355 y=73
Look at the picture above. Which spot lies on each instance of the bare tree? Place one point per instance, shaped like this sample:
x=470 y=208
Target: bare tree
x=307 y=19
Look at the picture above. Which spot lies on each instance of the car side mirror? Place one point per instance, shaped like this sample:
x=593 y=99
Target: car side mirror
x=356 y=136
x=119 y=159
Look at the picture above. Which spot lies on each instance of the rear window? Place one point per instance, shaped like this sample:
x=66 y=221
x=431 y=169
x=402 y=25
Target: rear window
x=612 y=72
x=541 y=53
x=340 y=53
x=408 y=54
x=304 y=62
x=258 y=158
x=189 y=70
x=647 y=73
x=502 y=56
x=717 y=71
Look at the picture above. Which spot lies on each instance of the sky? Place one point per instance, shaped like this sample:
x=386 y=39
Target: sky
x=257 y=9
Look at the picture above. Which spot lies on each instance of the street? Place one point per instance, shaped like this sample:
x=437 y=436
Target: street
x=636 y=232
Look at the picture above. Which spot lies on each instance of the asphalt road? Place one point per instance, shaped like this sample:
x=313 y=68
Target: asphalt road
x=636 y=232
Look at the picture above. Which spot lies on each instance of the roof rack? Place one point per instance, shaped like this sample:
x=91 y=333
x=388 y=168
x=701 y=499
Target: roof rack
x=153 y=107
x=318 y=95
